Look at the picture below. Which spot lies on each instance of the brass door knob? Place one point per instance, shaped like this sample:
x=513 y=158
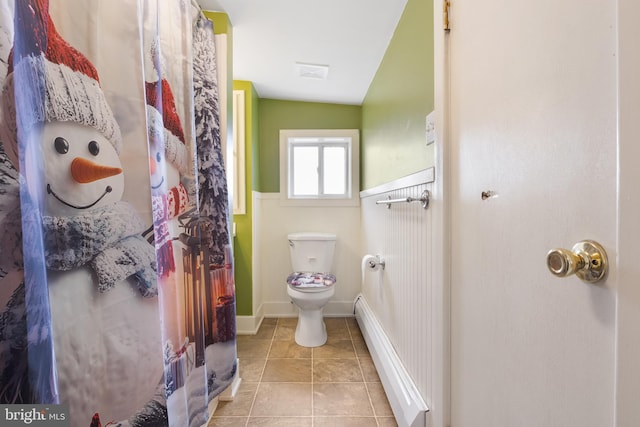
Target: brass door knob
x=587 y=260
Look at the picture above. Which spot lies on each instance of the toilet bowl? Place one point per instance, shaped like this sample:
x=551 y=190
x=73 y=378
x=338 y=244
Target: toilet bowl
x=311 y=285
x=310 y=330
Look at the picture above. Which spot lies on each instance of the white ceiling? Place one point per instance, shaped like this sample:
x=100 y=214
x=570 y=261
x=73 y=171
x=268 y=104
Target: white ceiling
x=270 y=36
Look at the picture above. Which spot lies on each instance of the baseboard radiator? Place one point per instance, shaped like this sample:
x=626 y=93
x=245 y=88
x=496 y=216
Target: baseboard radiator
x=409 y=408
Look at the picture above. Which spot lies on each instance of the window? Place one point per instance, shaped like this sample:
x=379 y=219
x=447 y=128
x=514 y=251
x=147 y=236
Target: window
x=319 y=167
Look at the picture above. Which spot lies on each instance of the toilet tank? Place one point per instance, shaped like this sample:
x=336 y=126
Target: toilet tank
x=312 y=252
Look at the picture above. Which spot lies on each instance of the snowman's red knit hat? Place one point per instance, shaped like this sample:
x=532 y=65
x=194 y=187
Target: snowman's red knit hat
x=164 y=122
x=48 y=80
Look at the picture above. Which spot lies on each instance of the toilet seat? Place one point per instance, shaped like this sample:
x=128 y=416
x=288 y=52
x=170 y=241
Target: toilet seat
x=310 y=281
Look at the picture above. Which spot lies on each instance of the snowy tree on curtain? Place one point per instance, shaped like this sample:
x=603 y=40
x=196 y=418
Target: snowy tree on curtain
x=212 y=186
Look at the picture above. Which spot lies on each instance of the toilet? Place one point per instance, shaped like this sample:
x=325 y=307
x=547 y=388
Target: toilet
x=311 y=285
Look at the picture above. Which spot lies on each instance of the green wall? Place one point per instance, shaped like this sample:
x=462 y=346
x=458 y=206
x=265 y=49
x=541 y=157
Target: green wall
x=243 y=241
x=277 y=114
x=398 y=100
x=391 y=120
x=221 y=24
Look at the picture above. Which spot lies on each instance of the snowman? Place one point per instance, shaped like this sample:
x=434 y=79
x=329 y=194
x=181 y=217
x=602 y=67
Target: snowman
x=168 y=163
x=101 y=274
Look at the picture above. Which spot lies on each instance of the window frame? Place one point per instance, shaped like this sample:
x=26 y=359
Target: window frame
x=352 y=197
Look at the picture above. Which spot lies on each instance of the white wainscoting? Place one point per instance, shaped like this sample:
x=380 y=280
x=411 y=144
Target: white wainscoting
x=408 y=406
x=271 y=260
x=400 y=295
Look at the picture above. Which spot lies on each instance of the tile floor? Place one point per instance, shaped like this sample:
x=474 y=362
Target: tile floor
x=286 y=385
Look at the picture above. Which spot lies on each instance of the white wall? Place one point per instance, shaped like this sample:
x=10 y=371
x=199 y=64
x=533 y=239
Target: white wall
x=272 y=264
x=401 y=295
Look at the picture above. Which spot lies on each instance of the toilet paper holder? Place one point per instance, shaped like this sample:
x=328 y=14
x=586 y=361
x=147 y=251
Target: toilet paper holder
x=373 y=262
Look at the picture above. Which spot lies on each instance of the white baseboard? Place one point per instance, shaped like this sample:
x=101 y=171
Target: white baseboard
x=249 y=325
x=408 y=405
x=226 y=396
x=338 y=309
x=280 y=309
x=288 y=309
x=230 y=393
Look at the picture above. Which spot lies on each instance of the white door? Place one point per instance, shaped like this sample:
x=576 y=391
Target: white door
x=533 y=121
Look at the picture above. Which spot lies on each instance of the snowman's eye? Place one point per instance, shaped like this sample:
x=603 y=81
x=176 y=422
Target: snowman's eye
x=158 y=157
x=61 y=145
x=94 y=148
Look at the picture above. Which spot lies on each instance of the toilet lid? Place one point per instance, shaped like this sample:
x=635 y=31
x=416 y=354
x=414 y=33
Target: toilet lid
x=310 y=280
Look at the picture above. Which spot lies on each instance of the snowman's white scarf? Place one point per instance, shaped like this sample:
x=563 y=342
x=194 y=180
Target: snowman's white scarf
x=109 y=240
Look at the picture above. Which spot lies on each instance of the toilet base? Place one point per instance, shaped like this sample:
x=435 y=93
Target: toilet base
x=311 y=330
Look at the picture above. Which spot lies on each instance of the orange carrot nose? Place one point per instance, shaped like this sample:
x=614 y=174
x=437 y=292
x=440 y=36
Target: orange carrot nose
x=85 y=171
x=153 y=165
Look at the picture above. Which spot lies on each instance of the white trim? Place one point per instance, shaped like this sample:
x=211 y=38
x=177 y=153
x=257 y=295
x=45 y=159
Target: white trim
x=272 y=196
x=338 y=309
x=239 y=173
x=439 y=368
x=288 y=309
x=256 y=293
x=280 y=309
x=425 y=176
x=230 y=392
x=249 y=325
x=227 y=395
x=408 y=406
x=354 y=170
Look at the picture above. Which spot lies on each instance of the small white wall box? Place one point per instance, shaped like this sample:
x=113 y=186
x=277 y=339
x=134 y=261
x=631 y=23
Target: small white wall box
x=431 y=127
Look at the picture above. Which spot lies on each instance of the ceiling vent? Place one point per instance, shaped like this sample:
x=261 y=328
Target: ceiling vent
x=312 y=71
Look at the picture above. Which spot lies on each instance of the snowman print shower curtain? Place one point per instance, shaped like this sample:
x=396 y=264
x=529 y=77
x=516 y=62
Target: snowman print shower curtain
x=116 y=274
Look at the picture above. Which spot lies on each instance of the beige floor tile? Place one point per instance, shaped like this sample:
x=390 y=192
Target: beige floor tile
x=344 y=422
x=336 y=370
x=387 y=422
x=335 y=349
x=287 y=371
x=341 y=334
x=337 y=328
x=379 y=400
x=356 y=333
x=341 y=399
x=280 y=422
x=227 y=422
x=265 y=332
x=335 y=322
x=277 y=391
x=252 y=348
x=352 y=322
x=288 y=350
x=369 y=370
x=288 y=321
x=361 y=347
x=251 y=369
x=282 y=400
x=285 y=332
x=241 y=404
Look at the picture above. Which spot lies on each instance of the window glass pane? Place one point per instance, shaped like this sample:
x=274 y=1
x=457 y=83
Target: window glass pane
x=305 y=171
x=335 y=170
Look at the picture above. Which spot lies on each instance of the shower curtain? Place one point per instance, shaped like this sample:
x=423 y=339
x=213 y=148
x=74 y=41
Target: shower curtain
x=116 y=270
